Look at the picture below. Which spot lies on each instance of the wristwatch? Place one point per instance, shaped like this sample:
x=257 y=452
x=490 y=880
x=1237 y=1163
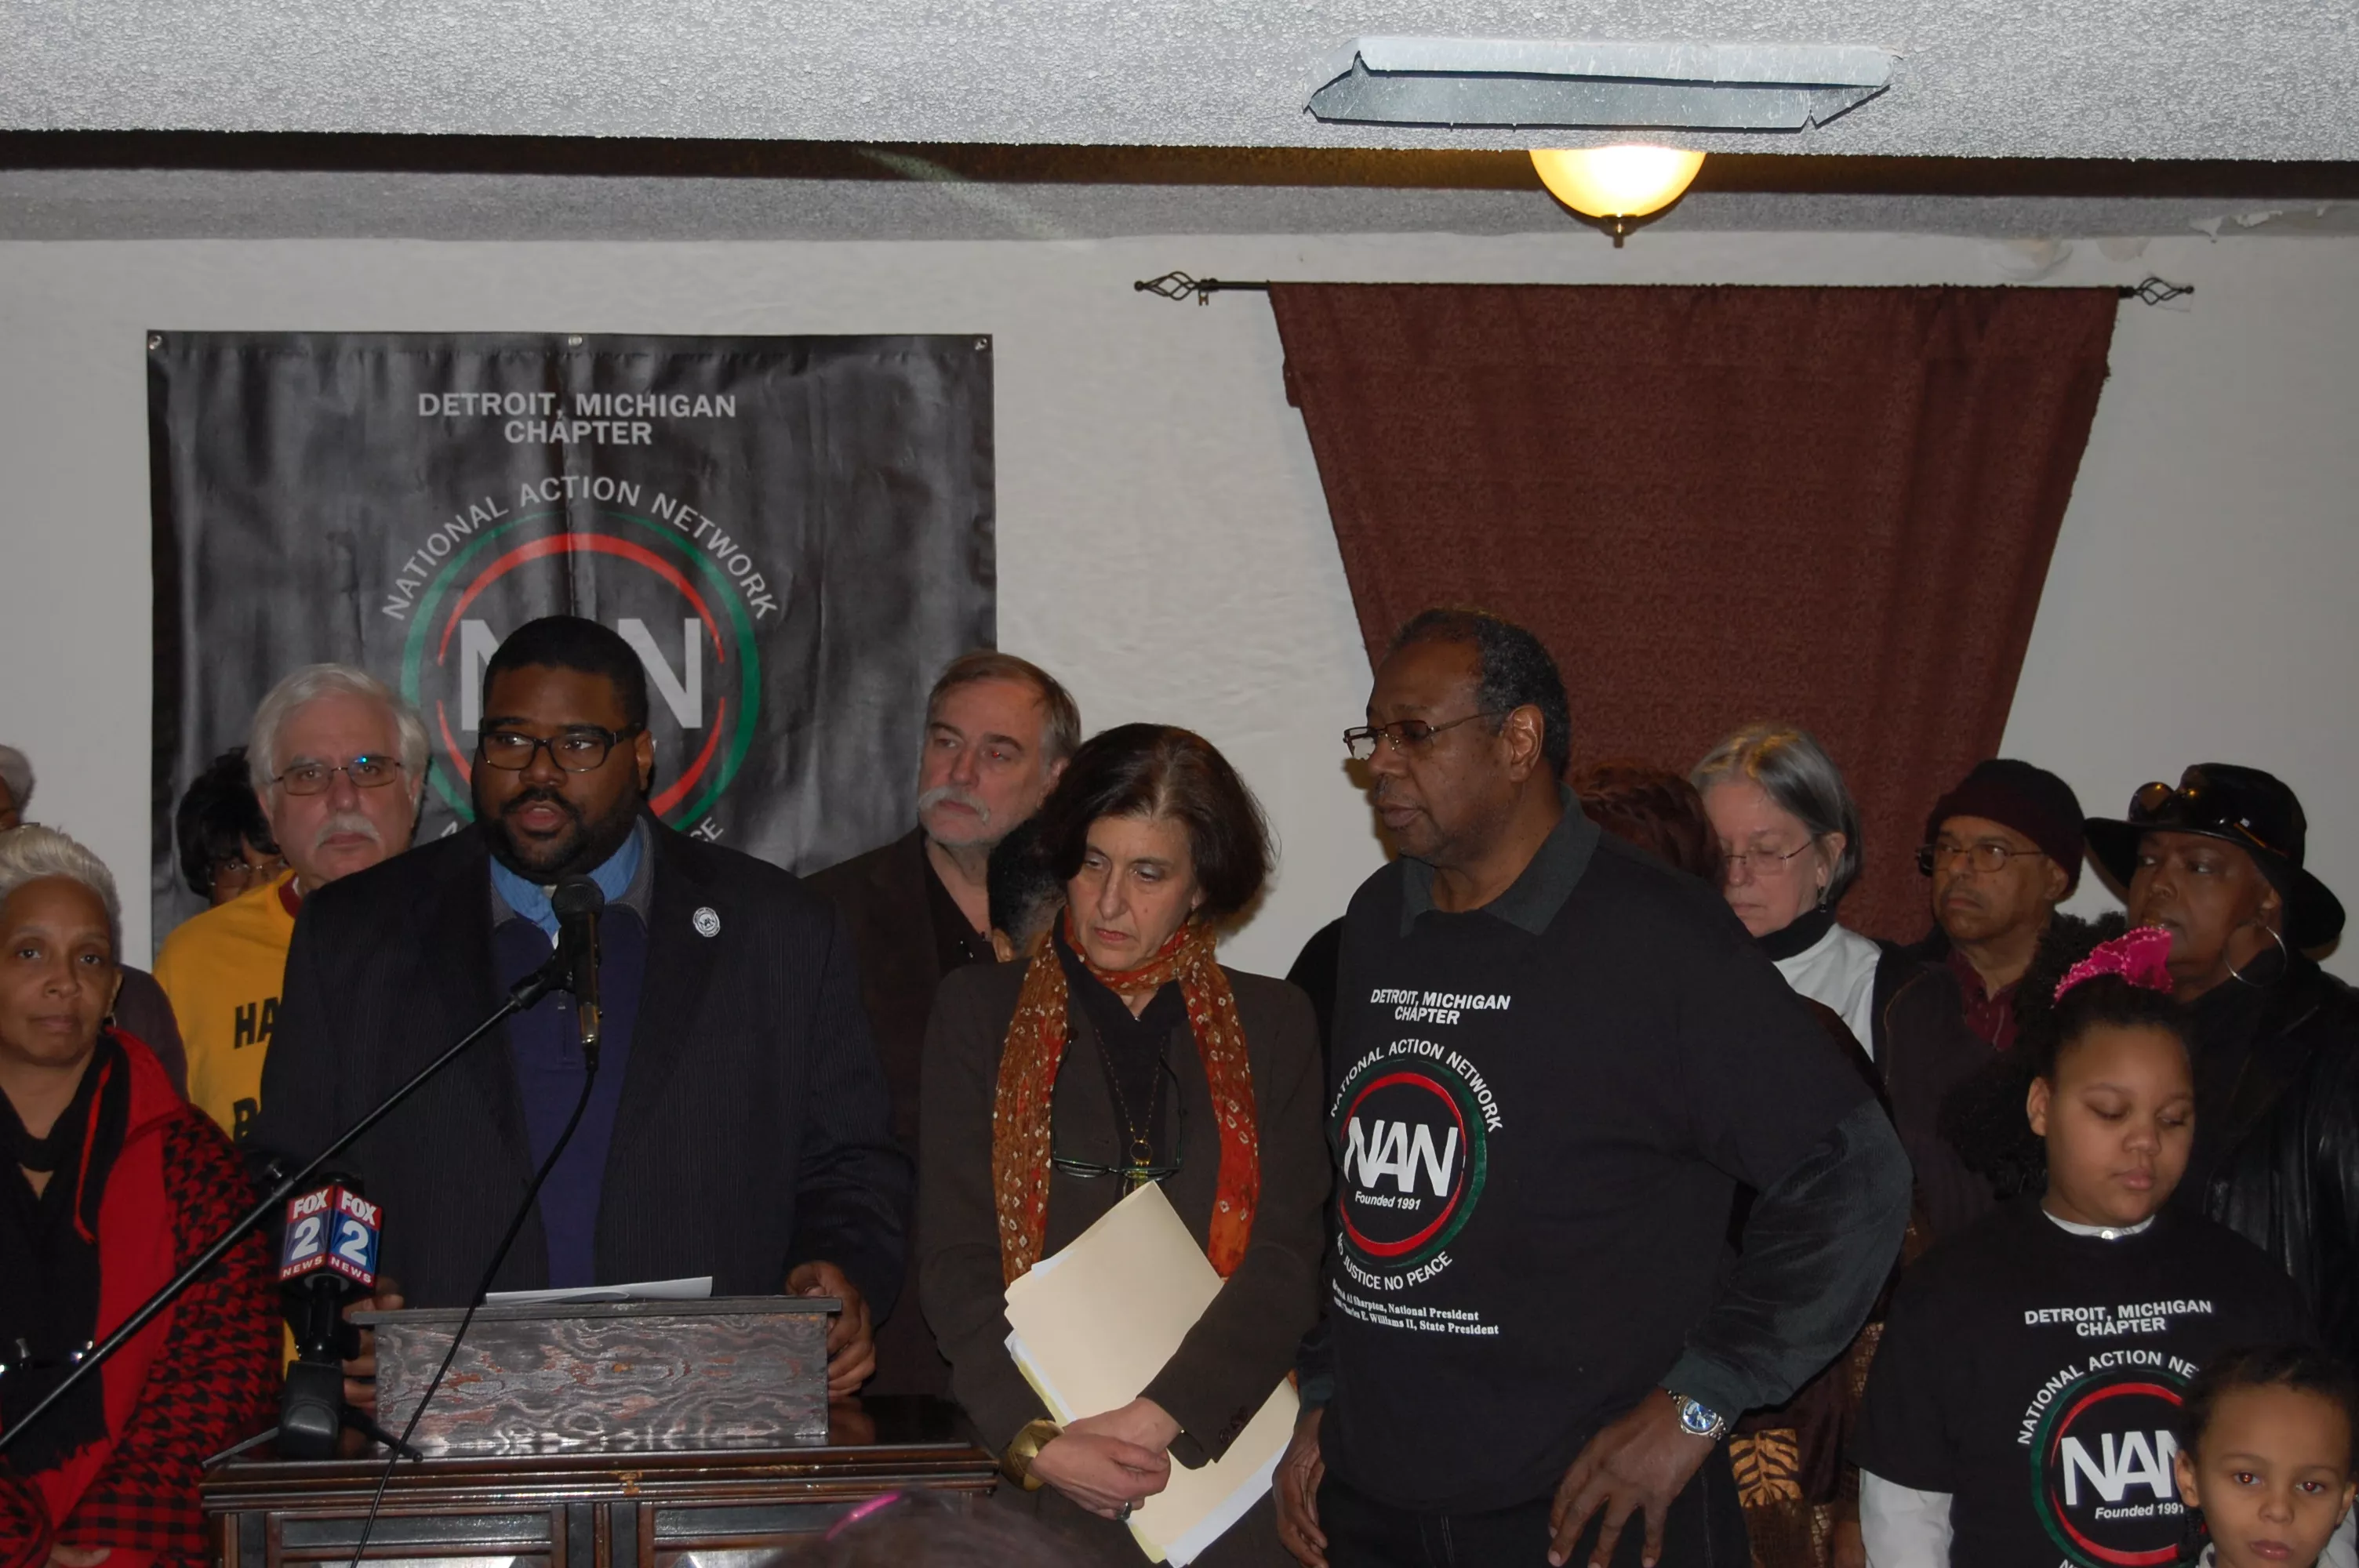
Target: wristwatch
x=1015 y=1464
x=1698 y=1419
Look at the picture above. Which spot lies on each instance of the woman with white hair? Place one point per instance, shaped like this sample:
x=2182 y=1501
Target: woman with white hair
x=110 y=1183
x=1790 y=844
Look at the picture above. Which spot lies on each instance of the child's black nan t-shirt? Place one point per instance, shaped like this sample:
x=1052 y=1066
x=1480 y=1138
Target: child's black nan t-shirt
x=2035 y=1375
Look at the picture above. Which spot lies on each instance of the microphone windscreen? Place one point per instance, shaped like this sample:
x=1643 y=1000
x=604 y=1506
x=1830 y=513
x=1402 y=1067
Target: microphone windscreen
x=576 y=895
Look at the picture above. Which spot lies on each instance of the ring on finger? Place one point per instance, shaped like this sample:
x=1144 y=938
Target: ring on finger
x=1123 y=1516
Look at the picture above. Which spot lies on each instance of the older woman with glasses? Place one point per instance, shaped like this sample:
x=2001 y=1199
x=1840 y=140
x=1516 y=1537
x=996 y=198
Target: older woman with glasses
x=223 y=838
x=1123 y=1054
x=110 y=1184
x=1789 y=845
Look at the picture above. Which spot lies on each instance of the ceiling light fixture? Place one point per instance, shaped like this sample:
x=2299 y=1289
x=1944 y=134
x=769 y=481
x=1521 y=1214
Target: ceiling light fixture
x=1616 y=185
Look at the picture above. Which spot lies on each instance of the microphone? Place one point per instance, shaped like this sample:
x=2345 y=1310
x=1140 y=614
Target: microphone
x=327 y=1259
x=577 y=901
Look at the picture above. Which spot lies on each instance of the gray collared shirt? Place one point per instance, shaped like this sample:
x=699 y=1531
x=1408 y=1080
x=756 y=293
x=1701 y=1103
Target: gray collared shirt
x=1532 y=900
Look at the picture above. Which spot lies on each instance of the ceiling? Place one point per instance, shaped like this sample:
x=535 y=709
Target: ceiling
x=2070 y=79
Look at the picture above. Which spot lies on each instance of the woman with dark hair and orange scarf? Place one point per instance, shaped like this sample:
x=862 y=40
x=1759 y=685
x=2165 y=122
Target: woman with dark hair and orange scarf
x=1125 y=1053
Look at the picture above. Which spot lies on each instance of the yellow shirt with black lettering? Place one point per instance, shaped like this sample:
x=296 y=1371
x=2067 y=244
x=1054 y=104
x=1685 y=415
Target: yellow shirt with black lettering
x=223 y=971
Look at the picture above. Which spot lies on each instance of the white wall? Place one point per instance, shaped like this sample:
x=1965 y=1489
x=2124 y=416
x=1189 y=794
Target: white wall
x=1163 y=541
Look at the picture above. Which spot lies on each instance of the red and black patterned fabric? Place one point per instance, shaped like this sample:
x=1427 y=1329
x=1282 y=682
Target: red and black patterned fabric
x=198 y=1379
x=25 y=1533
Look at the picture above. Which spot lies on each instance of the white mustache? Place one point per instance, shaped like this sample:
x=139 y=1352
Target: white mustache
x=956 y=796
x=346 y=822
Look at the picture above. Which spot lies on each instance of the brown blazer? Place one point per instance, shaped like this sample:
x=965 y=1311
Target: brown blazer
x=1247 y=1339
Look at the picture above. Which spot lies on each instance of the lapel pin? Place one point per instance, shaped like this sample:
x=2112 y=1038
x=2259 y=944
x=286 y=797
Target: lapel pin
x=707 y=922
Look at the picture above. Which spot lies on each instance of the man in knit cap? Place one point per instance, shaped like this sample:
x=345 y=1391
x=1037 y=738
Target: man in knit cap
x=2003 y=849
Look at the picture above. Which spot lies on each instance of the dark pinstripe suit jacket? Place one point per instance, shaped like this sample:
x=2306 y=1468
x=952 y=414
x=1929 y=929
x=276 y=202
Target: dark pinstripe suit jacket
x=753 y=1132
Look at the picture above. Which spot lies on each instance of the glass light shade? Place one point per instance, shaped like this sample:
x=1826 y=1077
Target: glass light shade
x=1617 y=182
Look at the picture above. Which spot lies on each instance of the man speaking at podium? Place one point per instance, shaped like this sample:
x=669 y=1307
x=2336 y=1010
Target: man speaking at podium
x=738 y=1124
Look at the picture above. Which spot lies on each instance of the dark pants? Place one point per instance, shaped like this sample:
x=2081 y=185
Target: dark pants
x=1705 y=1529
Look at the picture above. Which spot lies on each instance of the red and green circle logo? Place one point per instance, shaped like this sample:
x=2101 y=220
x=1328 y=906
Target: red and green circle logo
x=2101 y=1470
x=675 y=606
x=1410 y=1142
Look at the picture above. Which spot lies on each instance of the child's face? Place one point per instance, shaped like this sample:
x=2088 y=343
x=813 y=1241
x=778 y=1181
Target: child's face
x=2119 y=1120
x=2272 y=1477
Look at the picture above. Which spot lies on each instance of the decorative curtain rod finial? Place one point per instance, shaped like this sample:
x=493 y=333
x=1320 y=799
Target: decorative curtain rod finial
x=1180 y=286
x=2156 y=290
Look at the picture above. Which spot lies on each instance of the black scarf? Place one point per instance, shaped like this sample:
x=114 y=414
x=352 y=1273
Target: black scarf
x=1805 y=931
x=49 y=1258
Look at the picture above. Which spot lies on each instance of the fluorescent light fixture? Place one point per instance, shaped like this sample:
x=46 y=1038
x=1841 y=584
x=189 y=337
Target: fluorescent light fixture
x=1516 y=83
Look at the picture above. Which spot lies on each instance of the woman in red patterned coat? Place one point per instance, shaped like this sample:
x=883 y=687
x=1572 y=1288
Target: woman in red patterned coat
x=109 y=1184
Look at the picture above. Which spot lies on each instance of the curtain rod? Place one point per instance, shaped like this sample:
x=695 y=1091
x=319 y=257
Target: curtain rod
x=2153 y=291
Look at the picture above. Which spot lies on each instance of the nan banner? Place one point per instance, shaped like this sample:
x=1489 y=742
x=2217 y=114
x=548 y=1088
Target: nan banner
x=793 y=533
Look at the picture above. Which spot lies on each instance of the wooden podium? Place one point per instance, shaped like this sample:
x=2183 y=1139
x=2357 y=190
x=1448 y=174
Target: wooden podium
x=647 y=1509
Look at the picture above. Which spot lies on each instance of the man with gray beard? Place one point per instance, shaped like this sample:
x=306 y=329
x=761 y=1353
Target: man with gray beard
x=339 y=765
x=998 y=731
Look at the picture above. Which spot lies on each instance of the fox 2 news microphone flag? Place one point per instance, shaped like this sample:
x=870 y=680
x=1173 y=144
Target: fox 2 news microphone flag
x=794 y=534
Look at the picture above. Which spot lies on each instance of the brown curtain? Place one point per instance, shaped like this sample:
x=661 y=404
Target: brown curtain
x=1833 y=506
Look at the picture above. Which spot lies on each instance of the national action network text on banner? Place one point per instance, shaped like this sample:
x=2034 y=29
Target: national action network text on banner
x=794 y=534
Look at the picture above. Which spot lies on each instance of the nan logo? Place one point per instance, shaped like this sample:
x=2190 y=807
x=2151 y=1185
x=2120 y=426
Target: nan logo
x=1411 y=1140
x=2101 y=1472
x=688 y=618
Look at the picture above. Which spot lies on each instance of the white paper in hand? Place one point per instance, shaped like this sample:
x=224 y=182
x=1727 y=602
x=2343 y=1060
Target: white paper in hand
x=1092 y=1325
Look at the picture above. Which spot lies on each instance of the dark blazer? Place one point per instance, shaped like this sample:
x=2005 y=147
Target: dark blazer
x=882 y=898
x=1245 y=1341
x=753 y=1132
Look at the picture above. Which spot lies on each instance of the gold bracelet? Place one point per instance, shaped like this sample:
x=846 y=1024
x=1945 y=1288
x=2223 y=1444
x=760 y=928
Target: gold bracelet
x=1016 y=1462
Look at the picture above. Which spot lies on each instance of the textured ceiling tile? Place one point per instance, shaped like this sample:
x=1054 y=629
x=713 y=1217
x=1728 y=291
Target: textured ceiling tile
x=2274 y=79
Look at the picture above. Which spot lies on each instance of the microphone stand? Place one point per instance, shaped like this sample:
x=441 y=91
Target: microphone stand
x=524 y=994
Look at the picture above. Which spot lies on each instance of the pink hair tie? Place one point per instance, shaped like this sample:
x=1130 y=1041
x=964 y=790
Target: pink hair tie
x=2141 y=956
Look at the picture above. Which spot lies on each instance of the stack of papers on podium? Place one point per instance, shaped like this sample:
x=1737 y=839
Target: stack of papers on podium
x=696 y=1290
x=1092 y=1327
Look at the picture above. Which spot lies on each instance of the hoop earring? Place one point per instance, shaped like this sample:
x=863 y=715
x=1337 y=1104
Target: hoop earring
x=2285 y=959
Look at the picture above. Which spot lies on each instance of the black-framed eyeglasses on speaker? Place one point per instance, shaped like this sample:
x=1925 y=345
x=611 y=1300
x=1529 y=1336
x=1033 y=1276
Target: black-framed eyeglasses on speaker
x=582 y=749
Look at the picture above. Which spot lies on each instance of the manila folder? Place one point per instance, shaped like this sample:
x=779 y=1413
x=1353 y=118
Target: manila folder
x=1093 y=1324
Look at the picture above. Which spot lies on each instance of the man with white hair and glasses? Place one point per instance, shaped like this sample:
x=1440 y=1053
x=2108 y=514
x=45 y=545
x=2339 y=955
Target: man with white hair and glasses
x=339 y=765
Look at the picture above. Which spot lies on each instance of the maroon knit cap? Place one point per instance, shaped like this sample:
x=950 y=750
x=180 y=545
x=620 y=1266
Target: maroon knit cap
x=2032 y=801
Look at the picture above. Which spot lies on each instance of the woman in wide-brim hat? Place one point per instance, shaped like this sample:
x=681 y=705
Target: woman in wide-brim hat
x=2218 y=862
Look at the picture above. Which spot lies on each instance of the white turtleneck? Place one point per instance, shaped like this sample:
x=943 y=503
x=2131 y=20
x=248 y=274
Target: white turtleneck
x=1839 y=971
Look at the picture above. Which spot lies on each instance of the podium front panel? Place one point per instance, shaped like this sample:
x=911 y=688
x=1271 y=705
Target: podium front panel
x=715 y=1508
x=683 y=1377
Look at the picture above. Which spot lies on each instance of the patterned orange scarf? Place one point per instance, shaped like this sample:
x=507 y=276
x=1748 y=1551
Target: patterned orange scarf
x=1036 y=1036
